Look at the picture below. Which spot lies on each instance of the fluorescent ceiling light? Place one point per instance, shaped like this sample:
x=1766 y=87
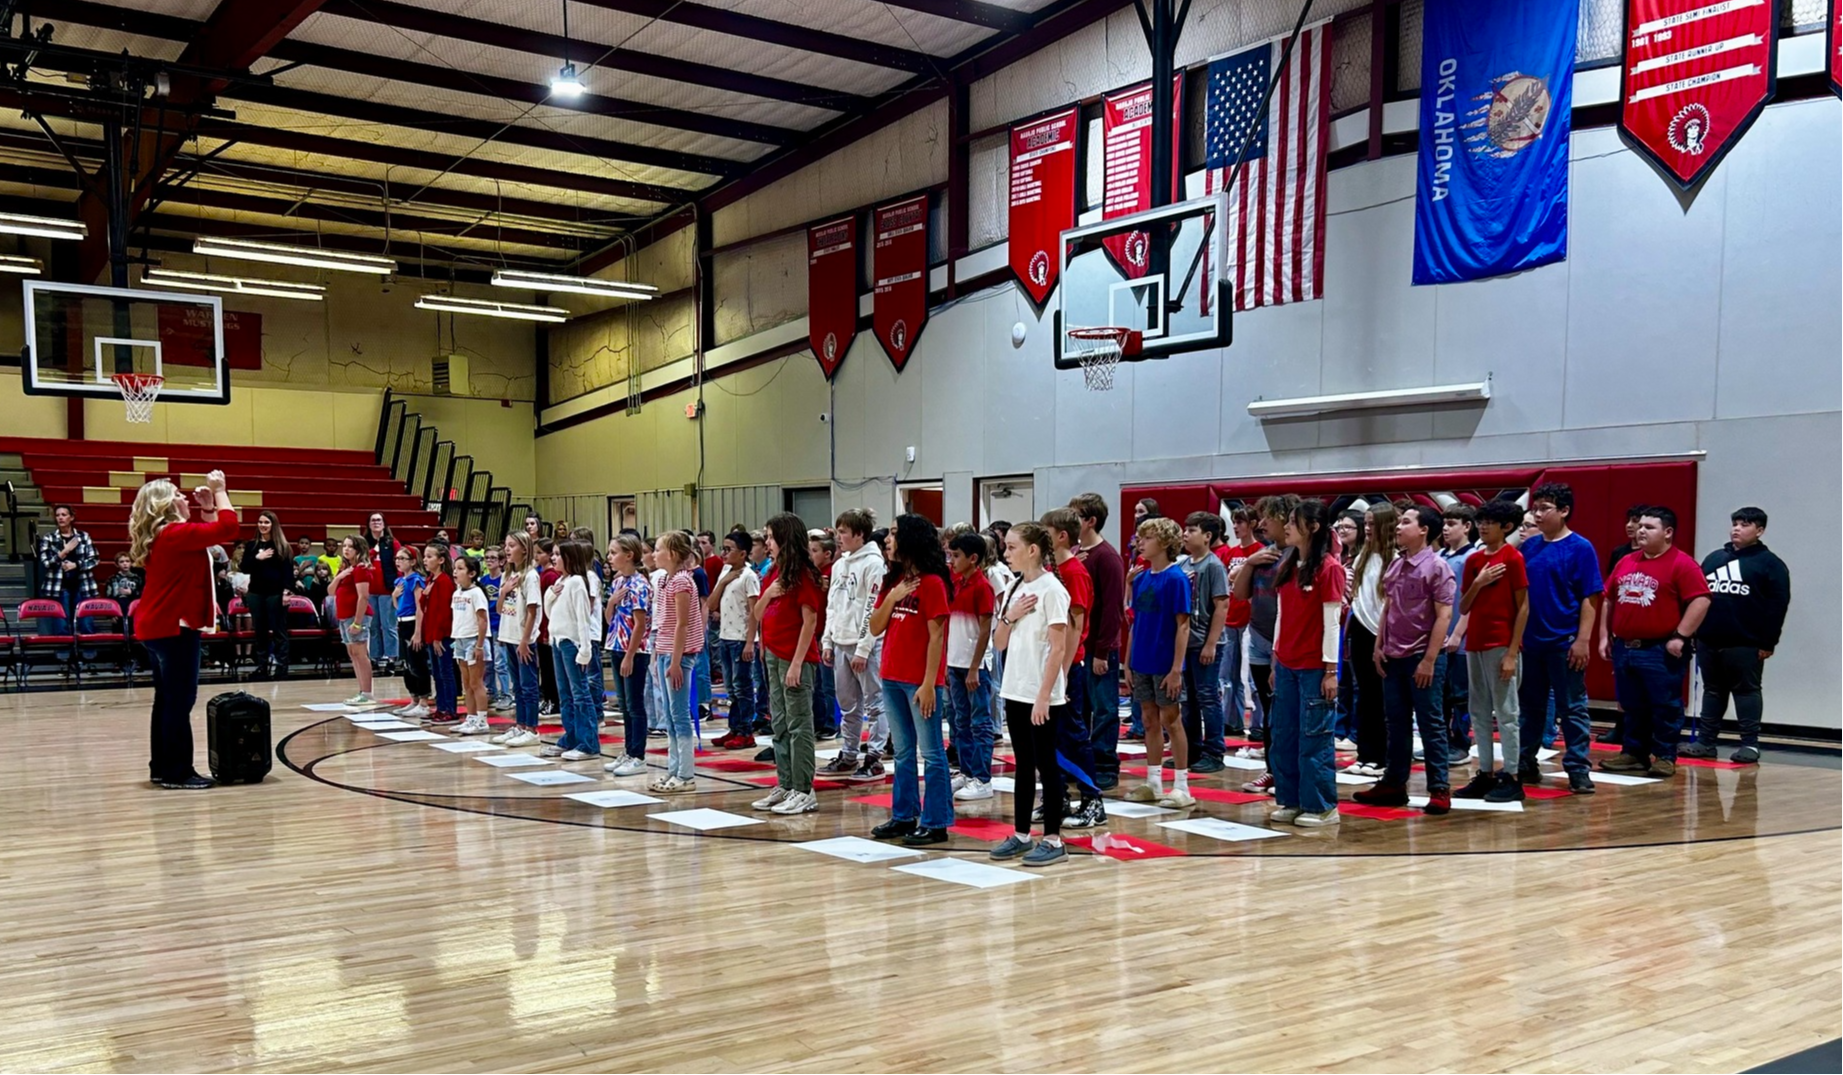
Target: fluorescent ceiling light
x=21 y=265
x=582 y=285
x=46 y=227
x=1361 y=401
x=237 y=285
x=567 y=84
x=294 y=255
x=517 y=311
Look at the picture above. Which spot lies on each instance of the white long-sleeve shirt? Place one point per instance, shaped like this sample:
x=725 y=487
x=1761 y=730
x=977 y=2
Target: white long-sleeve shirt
x=572 y=615
x=856 y=578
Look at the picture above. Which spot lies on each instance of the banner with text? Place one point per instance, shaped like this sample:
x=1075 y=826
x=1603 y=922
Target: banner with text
x=832 y=291
x=1696 y=75
x=899 y=258
x=188 y=338
x=1126 y=170
x=1042 y=199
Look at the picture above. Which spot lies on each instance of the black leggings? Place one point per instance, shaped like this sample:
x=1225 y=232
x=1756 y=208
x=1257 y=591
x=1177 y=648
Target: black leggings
x=1262 y=675
x=269 y=619
x=1034 y=745
x=547 y=675
x=416 y=671
x=1372 y=727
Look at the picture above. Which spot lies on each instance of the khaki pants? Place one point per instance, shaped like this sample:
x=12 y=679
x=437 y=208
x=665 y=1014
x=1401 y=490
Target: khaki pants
x=790 y=711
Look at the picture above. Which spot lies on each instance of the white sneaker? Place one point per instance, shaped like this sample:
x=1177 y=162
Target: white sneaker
x=361 y=698
x=960 y=780
x=1311 y=820
x=1283 y=815
x=472 y=726
x=1251 y=752
x=578 y=755
x=520 y=737
x=1345 y=746
x=973 y=790
x=415 y=712
x=626 y=766
x=798 y=802
x=772 y=799
x=550 y=750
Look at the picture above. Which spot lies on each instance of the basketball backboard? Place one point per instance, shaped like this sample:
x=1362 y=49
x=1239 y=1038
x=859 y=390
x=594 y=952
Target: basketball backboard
x=79 y=336
x=1158 y=273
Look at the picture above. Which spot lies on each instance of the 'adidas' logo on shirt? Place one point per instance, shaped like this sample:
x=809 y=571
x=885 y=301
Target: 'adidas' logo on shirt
x=1726 y=579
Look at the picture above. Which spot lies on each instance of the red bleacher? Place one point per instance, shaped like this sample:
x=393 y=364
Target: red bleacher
x=314 y=491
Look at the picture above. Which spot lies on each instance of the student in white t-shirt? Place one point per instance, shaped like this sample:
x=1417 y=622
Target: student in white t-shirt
x=469 y=642
x=732 y=599
x=1034 y=632
x=521 y=597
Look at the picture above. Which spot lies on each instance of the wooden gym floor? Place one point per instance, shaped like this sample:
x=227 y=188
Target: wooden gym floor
x=381 y=905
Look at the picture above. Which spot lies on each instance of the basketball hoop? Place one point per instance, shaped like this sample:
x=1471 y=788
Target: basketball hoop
x=139 y=391
x=1100 y=350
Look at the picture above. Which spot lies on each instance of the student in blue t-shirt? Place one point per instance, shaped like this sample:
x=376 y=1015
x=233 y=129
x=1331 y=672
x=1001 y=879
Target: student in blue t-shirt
x=416 y=678
x=498 y=675
x=1156 y=647
x=1564 y=598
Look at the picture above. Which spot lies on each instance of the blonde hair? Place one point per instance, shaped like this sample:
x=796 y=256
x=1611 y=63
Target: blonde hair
x=678 y=545
x=1378 y=541
x=154 y=506
x=1164 y=532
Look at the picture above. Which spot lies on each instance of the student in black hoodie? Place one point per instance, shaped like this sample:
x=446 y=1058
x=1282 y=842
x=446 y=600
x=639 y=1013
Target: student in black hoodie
x=1749 y=591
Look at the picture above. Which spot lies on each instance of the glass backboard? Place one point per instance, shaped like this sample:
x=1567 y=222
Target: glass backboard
x=79 y=336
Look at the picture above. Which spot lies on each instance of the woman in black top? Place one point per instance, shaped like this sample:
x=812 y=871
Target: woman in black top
x=384 y=546
x=271 y=570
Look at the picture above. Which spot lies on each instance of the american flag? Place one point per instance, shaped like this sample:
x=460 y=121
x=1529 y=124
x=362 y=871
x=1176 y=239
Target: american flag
x=1275 y=234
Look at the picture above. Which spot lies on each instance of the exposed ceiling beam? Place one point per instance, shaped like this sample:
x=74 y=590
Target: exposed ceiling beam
x=435 y=76
x=482 y=32
x=991 y=16
x=756 y=28
x=362 y=111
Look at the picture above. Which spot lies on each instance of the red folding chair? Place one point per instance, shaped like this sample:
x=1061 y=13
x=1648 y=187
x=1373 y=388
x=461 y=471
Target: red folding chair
x=137 y=653
x=239 y=635
x=306 y=634
x=108 y=639
x=9 y=652
x=39 y=646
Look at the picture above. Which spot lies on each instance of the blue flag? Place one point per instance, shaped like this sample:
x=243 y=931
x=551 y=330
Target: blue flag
x=1497 y=96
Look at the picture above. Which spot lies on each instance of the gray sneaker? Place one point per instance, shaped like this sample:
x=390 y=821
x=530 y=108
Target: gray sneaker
x=1697 y=750
x=1011 y=848
x=1044 y=854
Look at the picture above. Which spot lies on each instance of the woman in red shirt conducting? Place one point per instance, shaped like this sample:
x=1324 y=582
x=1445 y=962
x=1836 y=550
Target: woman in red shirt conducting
x=178 y=603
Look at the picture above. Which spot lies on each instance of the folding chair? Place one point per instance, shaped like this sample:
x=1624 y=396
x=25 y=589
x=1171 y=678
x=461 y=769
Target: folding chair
x=110 y=639
x=38 y=645
x=9 y=652
x=239 y=635
x=137 y=653
x=306 y=634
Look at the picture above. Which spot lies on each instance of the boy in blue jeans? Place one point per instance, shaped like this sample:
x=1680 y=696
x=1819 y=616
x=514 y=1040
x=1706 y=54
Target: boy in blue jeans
x=969 y=627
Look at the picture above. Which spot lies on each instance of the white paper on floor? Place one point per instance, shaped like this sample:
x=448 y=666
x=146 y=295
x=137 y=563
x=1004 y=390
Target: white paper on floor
x=465 y=746
x=1352 y=778
x=552 y=777
x=822 y=755
x=508 y=761
x=613 y=798
x=417 y=736
x=328 y=707
x=1234 y=762
x=704 y=819
x=1420 y=801
x=1004 y=784
x=384 y=725
x=858 y=849
x=1542 y=753
x=1620 y=779
x=1116 y=808
x=970 y=874
x=1218 y=829
x=1130 y=750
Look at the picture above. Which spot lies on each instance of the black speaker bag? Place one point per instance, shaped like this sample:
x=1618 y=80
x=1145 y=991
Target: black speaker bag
x=237 y=730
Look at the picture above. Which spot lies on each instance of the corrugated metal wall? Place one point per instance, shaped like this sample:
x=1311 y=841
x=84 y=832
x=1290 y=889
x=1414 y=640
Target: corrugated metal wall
x=719 y=509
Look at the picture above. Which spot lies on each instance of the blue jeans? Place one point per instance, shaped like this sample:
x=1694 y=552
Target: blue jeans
x=739 y=683
x=1345 y=722
x=763 y=720
x=702 y=691
x=908 y=731
x=175 y=666
x=524 y=686
x=1299 y=747
x=1260 y=671
x=1073 y=750
x=445 y=674
x=1546 y=675
x=1455 y=699
x=1234 y=693
x=576 y=705
x=681 y=744
x=383 y=627
x=1203 y=706
x=973 y=733
x=1406 y=703
x=1101 y=711
x=631 y=690
x=499 y=678
x=1649 y=683
x=825 y=701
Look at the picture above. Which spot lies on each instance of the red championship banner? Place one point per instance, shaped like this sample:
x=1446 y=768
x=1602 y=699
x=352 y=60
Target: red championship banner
x=1126 y=169
x=1697 y=73
x=187 y=337
x=1833 y=46
x=1043 y=198
x=899 y=260
x=832 y=291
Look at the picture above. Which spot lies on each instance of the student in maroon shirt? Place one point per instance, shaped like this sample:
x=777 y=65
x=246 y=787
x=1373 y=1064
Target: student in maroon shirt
x=1655 y=601
x=1101 y=708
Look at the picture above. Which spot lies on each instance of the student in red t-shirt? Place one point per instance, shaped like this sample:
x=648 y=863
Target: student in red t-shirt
x=1496 y=603
x=1234 y=687
x=357 y=580
x=911 y=618
x=434 y=628
x=1655 y=601
x=790 y=614
x=969 y=688
x=1309 y=589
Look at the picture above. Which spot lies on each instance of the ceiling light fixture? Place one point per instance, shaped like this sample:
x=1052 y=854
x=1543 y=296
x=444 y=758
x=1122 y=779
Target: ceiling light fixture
x=450 y=304
x=21 y=265
x=42 y=226
x=581 y=285
x=282 y=254
x=236 y=285
x=567 y=84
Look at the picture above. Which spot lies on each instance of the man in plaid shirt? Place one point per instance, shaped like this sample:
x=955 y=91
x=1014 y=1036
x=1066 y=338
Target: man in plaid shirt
x=66 y=564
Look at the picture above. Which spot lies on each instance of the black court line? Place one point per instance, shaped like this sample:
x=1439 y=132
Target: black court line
x=1819 y=1058
x=310 y=771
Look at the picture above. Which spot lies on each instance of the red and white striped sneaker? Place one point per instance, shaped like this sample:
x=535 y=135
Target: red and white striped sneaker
x=1262 y=784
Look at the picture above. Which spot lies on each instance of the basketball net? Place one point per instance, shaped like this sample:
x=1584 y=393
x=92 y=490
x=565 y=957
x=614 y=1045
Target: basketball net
x=1100 y=350
x=139 y=391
